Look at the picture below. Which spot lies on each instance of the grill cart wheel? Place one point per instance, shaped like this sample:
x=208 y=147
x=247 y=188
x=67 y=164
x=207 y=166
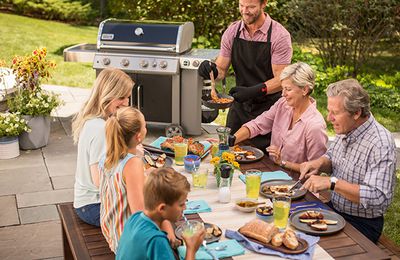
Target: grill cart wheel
x=173 y=130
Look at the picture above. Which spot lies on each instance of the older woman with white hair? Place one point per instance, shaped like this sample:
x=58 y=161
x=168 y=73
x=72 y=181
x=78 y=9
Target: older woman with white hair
x=298 y=128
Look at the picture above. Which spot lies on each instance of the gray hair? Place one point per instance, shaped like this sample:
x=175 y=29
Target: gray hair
x=355 y=97
x=301 y=74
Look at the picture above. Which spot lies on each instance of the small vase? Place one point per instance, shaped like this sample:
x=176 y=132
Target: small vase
x=9 y=147
x=217 y=173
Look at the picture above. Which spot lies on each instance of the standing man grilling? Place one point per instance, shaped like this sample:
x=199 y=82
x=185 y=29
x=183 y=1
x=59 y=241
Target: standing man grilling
x=259 y=48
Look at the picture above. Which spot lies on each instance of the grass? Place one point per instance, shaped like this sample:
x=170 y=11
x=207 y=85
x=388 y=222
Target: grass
x=392 y=216
x=21 y=35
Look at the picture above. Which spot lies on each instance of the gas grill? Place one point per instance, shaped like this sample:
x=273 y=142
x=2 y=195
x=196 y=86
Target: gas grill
x=159 y=58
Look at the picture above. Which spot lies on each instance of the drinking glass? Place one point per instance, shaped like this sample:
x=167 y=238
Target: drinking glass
x=214 y=150
x=253 y=181
x=181 y=150
x=199 y=178
x=281 y=206
x=191 y=227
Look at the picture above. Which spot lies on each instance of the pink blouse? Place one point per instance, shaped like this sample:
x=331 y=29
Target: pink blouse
x=304 y=142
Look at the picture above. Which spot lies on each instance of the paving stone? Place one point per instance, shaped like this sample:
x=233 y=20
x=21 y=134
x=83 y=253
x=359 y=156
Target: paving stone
x=25 y=160
x=8 y=213
x=32 y=241
x=38 y=214
x=44 y=198
x=63 y=182
x=22 y=180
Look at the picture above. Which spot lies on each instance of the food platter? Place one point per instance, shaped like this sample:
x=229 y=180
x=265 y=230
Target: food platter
x=301 y=248
x=213 y=233
x=328 y=214
x=216 y=105
x=240 y=156
x=157 y=144
x=297 y=194
x=153 y=159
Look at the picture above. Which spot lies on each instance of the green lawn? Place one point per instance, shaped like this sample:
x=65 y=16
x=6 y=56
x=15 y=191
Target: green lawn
x=21 y=35
x=392 y=217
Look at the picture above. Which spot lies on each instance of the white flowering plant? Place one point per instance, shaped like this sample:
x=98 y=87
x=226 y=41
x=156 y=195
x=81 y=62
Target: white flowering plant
x=11 y=124
x=37 y=102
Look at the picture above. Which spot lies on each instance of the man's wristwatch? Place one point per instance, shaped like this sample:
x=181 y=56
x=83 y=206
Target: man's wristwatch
x=333 y=183
x=283 y=164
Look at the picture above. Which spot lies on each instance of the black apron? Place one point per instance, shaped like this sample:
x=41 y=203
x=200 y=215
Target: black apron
x=251 y=62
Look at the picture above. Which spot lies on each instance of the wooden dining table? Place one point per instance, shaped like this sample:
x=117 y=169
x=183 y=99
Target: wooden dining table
x=348 y=243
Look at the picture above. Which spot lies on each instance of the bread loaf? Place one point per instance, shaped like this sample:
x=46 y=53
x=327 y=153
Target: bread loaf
x=259 y=230
x=277 y=239
x=290 y=239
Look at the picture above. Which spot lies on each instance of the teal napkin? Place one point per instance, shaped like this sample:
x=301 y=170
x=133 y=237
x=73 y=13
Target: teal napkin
x=203 y=207
x=267 y=176
x=233 y=248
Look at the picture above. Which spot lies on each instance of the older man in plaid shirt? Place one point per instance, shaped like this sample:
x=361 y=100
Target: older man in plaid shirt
x=361 y=160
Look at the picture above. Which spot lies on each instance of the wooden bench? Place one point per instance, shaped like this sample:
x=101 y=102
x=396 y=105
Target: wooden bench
x=80 y=240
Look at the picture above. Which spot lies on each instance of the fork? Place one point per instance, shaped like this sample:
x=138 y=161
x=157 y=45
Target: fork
x=208 y=251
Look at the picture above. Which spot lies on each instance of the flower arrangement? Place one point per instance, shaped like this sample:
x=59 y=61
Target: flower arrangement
x=226 y=158
x=29 y=70
x=11 y=124
x=38 y=102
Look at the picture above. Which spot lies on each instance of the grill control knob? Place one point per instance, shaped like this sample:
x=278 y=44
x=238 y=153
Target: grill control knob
x=106 y=61
x=125 y=62
x=144 y=63
x=163 y=64
x=154 y=64
x=195 y=63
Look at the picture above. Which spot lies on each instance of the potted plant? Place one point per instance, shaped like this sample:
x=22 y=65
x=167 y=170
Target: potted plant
x=11 y=126
x=31 y=101
x=226 y=158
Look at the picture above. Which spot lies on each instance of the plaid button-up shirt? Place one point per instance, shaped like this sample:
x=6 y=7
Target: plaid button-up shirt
x=366 y=156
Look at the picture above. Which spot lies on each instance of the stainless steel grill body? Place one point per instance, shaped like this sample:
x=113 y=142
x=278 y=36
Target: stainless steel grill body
x=160 y=60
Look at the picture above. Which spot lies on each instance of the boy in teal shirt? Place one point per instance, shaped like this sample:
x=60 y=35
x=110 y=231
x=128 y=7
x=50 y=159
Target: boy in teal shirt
x=165 y=194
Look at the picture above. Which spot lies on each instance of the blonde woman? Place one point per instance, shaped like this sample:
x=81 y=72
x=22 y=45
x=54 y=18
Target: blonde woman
x=110 y=91
x=298 y=128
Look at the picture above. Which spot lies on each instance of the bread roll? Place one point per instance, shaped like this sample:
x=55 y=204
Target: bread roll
x=290 y=239
x=277 y=239
x=259 y=230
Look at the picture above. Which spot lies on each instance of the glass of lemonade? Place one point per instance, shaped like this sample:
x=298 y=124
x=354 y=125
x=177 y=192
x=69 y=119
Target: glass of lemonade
x=253 y=181
x=199 y=178
x=191 y=227
x=281 y=206
x=181 y=150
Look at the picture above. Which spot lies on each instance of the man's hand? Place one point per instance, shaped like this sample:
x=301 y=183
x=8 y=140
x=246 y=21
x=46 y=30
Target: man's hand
x=307 y=169
x=205 y=69
x=242 y=94
x=317 y=183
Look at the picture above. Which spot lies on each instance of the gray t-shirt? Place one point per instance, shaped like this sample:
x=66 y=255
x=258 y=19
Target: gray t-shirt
x=91 y=146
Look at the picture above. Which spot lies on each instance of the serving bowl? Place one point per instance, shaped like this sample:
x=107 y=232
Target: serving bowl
x=246 y=204
x=265 y=213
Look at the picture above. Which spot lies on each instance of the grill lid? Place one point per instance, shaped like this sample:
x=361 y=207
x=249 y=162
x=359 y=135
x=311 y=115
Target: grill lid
x=145 y=36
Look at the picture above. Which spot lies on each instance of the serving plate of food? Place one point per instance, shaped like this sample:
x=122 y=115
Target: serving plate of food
x=317 y=222
x=268 y=235
x=213 y=233
x=247 y=154
x=156 y=160
x=281 y=187
x=222 y=101
x=200 y=148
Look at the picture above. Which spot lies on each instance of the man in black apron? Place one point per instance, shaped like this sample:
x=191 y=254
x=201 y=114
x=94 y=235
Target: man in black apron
x=257 y=77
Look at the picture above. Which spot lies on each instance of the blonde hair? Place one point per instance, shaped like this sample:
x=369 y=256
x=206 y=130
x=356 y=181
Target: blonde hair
x=355 y=97
x=110 y=84
x=120 y=128
x=164 y=185
x=301 y=74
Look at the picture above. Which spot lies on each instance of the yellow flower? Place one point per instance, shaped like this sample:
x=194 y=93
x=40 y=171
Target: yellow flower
x=236 y=165
x=215 y=160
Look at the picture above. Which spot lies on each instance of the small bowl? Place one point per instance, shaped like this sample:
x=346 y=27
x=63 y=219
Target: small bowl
x=269 y=217
x=245 y=208
x=191 y=162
